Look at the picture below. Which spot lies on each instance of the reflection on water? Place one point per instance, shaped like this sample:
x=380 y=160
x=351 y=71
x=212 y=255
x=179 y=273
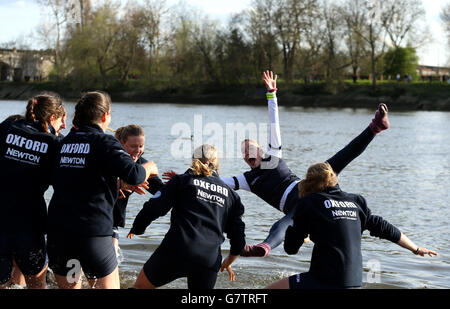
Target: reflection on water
x=404 y=175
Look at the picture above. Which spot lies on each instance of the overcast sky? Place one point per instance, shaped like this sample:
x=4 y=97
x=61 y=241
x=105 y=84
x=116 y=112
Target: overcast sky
x=18 y=19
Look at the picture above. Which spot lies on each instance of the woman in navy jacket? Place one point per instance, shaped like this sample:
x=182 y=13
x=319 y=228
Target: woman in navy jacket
x=85 y=181
x=203 y=208
x=335 y=221
x=27 y=151
x=132 y=139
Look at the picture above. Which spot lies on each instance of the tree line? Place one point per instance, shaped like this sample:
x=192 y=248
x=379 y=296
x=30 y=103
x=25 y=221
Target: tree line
x=151 y=44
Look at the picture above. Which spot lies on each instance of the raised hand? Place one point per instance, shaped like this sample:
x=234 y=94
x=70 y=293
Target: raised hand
x=270 y=80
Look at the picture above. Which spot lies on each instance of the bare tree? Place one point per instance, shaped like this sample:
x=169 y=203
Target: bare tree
x=333 y=32
x=445 y=18
x=291 y=19
x=351 y=12
x=261 y=31
x=374 y=14
x=52 y=33
x=404 y=19
x=78 y=11
x=129 y=40
x=151 y=18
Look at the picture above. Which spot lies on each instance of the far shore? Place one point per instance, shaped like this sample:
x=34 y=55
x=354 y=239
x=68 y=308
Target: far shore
x=401 y=97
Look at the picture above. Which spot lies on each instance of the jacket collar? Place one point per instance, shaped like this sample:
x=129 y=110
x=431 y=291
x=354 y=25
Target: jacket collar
x=51 y=129
x=190 y=172
x=30 y=124
x=87 y=128
x=334 y=189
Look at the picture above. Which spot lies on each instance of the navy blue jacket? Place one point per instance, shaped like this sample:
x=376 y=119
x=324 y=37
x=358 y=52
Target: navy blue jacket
x=270 y=183
x=203 y=208
x=26 y=157
x=335 y=221
x=87 y=166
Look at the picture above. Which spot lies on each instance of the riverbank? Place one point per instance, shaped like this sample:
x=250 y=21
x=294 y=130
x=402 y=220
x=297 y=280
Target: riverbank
x=401 y=96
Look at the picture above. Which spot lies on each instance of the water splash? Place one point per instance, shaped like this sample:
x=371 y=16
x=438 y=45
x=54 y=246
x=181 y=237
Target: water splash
x=120 y=256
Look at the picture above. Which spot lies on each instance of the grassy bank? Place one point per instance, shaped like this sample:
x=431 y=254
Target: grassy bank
x=398 y=95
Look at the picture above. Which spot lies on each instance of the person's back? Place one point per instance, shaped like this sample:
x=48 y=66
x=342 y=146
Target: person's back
x=84 y=187
x=203 y=209
x=199 y=217
x=335 y=221
x=26 y=154
x=88 y=165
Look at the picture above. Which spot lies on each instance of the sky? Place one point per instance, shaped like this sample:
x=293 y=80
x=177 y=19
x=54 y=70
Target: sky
x=18 y=19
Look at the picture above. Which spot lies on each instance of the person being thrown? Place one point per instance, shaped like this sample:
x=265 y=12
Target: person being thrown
x=271 y=179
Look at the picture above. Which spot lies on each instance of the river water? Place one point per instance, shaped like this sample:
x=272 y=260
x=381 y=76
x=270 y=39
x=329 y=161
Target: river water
x=404 y=175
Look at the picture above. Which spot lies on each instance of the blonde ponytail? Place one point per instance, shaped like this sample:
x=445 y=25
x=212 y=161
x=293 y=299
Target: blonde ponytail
x=204 y=161
x=200 y=168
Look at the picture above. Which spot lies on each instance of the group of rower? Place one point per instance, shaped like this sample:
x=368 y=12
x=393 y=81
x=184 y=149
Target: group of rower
x=93 y=174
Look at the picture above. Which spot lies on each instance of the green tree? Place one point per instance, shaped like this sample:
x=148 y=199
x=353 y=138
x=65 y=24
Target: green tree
x=92 y=49
x=401 y=60
x=233 y=54
x=185 y=63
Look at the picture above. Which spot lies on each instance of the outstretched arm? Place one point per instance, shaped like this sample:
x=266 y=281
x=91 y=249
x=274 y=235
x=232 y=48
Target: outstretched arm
x=381 y=228
x=406 y=243
x=274 y=140
x=159 y=205
x=237 y=182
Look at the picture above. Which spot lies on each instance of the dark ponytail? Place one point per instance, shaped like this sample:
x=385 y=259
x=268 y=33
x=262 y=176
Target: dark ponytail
x=91 y=107
x=41 y=107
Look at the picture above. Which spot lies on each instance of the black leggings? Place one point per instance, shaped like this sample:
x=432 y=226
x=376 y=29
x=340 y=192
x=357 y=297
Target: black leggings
x=164 y=267
x=350 y=152
x=338 y=162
